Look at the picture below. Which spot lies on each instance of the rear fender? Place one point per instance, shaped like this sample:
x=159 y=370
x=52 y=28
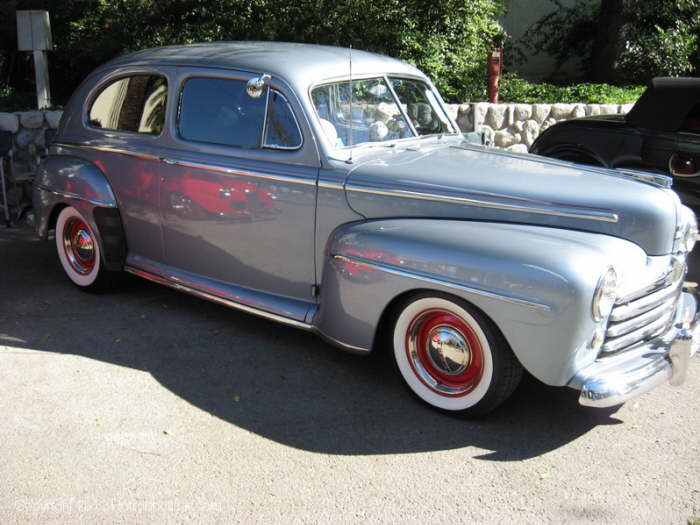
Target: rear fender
x=70 y=181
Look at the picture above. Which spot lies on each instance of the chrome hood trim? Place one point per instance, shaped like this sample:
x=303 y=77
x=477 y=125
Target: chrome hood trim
x=476 y=183
x=527 y=206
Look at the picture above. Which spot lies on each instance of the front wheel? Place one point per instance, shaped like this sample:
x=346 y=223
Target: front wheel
x=451 y=356
x=79 y=252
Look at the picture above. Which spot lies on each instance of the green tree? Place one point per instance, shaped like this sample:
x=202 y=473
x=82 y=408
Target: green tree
x=448 y=39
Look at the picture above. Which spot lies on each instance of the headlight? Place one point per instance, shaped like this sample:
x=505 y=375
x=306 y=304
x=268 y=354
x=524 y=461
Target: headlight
x=604 y=296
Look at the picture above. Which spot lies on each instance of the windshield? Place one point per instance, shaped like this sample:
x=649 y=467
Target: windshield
x=379 y=111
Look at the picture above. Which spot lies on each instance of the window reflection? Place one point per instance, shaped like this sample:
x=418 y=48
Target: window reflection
x=136 y=103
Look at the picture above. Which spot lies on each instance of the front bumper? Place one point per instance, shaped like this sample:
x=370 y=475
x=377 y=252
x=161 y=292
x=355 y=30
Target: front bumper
x=616 y=379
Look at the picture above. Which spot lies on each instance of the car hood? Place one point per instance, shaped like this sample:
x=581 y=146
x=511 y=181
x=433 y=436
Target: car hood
x=476 y=183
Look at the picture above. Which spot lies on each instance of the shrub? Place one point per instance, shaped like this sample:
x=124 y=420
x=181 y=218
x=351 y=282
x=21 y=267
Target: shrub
x=515 y=89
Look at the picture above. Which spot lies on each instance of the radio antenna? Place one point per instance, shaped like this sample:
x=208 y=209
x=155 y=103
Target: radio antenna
x=351 y=95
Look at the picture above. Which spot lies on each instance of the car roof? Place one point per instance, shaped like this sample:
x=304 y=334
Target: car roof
x=665 y=104
x=299 y=64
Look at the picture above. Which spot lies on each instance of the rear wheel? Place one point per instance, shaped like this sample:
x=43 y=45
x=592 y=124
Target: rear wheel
x=451 y=356
x=78 y=251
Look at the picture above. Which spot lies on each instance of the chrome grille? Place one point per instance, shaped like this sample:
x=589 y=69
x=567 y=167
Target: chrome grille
x=638 y=320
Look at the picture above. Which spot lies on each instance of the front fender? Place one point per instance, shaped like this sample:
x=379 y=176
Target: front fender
x=69 y=180
x=535 y=283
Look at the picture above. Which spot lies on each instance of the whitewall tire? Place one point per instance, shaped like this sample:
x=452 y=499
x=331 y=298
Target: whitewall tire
x=451 y=356
x=78 y=250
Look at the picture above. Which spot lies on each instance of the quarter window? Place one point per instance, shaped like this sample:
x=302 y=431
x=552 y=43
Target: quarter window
x=136 y=104
x=282 y=131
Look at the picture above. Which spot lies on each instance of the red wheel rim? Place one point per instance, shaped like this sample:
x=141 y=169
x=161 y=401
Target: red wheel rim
x=79 y=245
x=444 y=352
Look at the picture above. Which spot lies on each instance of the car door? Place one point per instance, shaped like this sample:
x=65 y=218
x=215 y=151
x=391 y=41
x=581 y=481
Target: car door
x=238 y=192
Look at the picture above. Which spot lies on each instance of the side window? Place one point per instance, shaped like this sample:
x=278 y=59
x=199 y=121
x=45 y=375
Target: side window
x=136 y=104
x=219 y=111
x=282 y=130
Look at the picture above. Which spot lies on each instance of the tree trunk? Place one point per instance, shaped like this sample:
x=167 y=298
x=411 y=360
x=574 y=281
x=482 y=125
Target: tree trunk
x=615 y=25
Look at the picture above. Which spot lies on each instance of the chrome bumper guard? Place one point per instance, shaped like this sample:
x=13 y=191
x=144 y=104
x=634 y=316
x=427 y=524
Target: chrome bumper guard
x=613 y=380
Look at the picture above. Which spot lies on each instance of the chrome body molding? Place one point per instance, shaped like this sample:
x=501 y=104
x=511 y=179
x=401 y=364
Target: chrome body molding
x=75 y=196
x=226 y=301
x=330 y=185
x=173 y=161
x=221 y=296
x=109 y=149
x=543 y=209
x=232 y=171
x=613 y=380
x=440 y=282
x=655 y=179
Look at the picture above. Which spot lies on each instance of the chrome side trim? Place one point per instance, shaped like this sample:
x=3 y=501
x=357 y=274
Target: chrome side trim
x=330 y=185
x=457 y=286
x=544 y=209
x=108 y=149
x=215 y=298
x=244 y=308
x=70 y=195
x=232 y=171
x=655 y=179
x=190 y=164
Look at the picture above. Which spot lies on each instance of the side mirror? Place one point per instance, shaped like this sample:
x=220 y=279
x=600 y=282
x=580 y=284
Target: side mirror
x=256 y=85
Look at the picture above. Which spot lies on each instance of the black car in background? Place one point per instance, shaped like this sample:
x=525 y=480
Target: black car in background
x=660 y=134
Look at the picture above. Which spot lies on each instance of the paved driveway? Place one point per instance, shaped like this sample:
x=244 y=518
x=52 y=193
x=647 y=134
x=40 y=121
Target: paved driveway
x=151 y=405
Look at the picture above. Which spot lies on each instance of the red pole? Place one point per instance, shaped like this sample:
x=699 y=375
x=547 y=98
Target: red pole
x=494 y=64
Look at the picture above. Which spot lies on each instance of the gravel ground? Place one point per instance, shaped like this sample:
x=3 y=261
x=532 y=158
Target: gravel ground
x=151 y=405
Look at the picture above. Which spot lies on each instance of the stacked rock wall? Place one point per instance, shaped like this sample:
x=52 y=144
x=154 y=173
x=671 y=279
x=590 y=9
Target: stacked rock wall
x=516 y=126
x=28 y=129
x=508 y=126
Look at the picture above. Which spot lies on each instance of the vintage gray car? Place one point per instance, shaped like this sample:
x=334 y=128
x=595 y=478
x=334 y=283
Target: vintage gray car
x=330 y=190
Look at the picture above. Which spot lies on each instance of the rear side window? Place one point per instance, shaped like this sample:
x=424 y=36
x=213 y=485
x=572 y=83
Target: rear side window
x=136 y=104
x=219 y=111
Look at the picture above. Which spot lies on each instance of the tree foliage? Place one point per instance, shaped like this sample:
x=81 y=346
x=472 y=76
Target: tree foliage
x=622 y=41
x=447 y=39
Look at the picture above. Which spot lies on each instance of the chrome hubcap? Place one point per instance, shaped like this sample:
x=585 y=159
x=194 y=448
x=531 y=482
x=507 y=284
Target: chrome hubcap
x=82 y=242
x=79 y=246
x=444 y=352
x=448 y=350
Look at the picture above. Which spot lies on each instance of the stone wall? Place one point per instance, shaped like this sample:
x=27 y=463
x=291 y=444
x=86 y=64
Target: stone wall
x=508 y=126
x=515 y=126
x=28 y=129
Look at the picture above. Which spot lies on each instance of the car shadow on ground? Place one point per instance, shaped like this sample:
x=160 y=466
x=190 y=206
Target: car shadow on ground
x=281 y=383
